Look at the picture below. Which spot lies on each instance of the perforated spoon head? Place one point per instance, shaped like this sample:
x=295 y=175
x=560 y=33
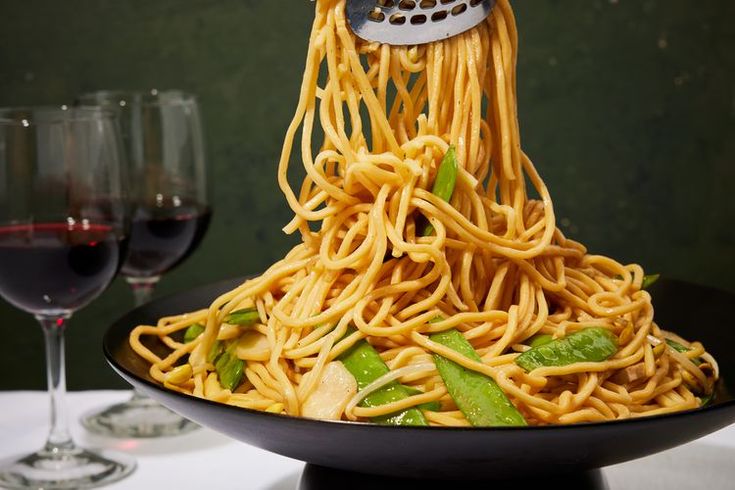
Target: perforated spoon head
x=409 y=22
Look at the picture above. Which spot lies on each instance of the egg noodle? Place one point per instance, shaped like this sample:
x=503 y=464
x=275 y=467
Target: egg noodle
x=496 y=267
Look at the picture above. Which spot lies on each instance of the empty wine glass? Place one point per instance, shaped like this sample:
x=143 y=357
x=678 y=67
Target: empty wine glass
x=63 y=224
x=170 y=214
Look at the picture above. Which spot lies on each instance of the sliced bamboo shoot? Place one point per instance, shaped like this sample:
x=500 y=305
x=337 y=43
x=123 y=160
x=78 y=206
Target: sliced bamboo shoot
x=329 y=399
x=253 y=346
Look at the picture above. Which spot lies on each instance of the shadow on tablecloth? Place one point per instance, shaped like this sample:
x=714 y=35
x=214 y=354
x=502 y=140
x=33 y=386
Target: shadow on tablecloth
x=199 y=440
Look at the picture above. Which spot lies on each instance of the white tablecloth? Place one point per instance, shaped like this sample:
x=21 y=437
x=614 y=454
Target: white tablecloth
x=177 y=462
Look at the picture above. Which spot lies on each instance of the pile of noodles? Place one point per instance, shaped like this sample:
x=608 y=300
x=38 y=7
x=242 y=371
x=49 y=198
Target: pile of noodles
x=497 y=267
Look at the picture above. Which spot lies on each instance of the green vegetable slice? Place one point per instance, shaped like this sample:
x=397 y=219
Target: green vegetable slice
x=244 y=317
x=194 y=331
x=215 y=351
x=481 y=400
x=680 y=348
x=365 y=364
x=588 y=345
x=446 y=179
x=706 y=400
x=229 y=367
x=434 y=406
x=649 y=280
x=539 y=339
x=676 y=346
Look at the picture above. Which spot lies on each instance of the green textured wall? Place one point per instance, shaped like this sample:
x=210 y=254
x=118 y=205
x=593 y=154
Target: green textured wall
x=627 y=108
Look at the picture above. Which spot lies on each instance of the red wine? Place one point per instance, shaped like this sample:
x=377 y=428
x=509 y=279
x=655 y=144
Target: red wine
x=56 y=266
x=163 y=237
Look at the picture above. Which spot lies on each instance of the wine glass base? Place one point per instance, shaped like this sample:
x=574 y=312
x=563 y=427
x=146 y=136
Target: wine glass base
x=139 y=417
x=65 y=469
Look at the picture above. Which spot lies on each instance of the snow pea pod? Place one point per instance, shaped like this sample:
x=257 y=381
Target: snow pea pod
x=244 y=317
x=230 y=368
x=539 y=339
x=194 y=331
x=446 y=179
x=365 y=364
x=588 y=345
x=479 y=398
x=649 y=280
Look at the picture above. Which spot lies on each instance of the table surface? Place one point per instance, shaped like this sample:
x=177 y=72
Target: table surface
x=205 y=459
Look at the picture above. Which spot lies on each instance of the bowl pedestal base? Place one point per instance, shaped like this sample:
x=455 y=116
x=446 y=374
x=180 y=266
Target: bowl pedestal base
x=321 y=478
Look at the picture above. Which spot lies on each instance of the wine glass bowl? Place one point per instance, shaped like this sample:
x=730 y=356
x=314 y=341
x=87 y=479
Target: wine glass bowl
x=83 y=258
x=168 y=198
x=61 y=204
x=167 y=177
x=162 y=236
x=63 y=231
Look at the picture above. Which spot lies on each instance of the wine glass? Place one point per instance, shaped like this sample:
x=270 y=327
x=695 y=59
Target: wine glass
x=170 y=214
x=63 y=224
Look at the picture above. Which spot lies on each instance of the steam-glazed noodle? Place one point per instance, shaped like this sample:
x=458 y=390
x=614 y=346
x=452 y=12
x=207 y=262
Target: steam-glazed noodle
x=496 y=267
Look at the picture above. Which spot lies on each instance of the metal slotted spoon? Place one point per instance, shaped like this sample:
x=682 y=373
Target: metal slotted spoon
x=408 y=22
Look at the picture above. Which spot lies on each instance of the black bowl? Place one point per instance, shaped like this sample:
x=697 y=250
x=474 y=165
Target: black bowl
x=456 y=453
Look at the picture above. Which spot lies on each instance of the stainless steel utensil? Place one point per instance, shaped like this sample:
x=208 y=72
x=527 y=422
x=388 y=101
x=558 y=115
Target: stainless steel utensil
x=408 y=22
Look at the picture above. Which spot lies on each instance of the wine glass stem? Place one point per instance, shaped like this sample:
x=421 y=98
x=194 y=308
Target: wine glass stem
x=59 y=438
x=142 y=288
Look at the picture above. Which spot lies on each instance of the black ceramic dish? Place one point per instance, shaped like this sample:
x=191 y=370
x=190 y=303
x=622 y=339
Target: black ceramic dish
x=694 y=312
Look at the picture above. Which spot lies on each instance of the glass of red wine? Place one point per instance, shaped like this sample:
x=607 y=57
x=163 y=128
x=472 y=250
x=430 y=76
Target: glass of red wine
x=63 y=229
x=170 y=214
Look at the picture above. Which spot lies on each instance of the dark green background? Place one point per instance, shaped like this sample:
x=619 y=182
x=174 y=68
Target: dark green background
x=627 y=108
